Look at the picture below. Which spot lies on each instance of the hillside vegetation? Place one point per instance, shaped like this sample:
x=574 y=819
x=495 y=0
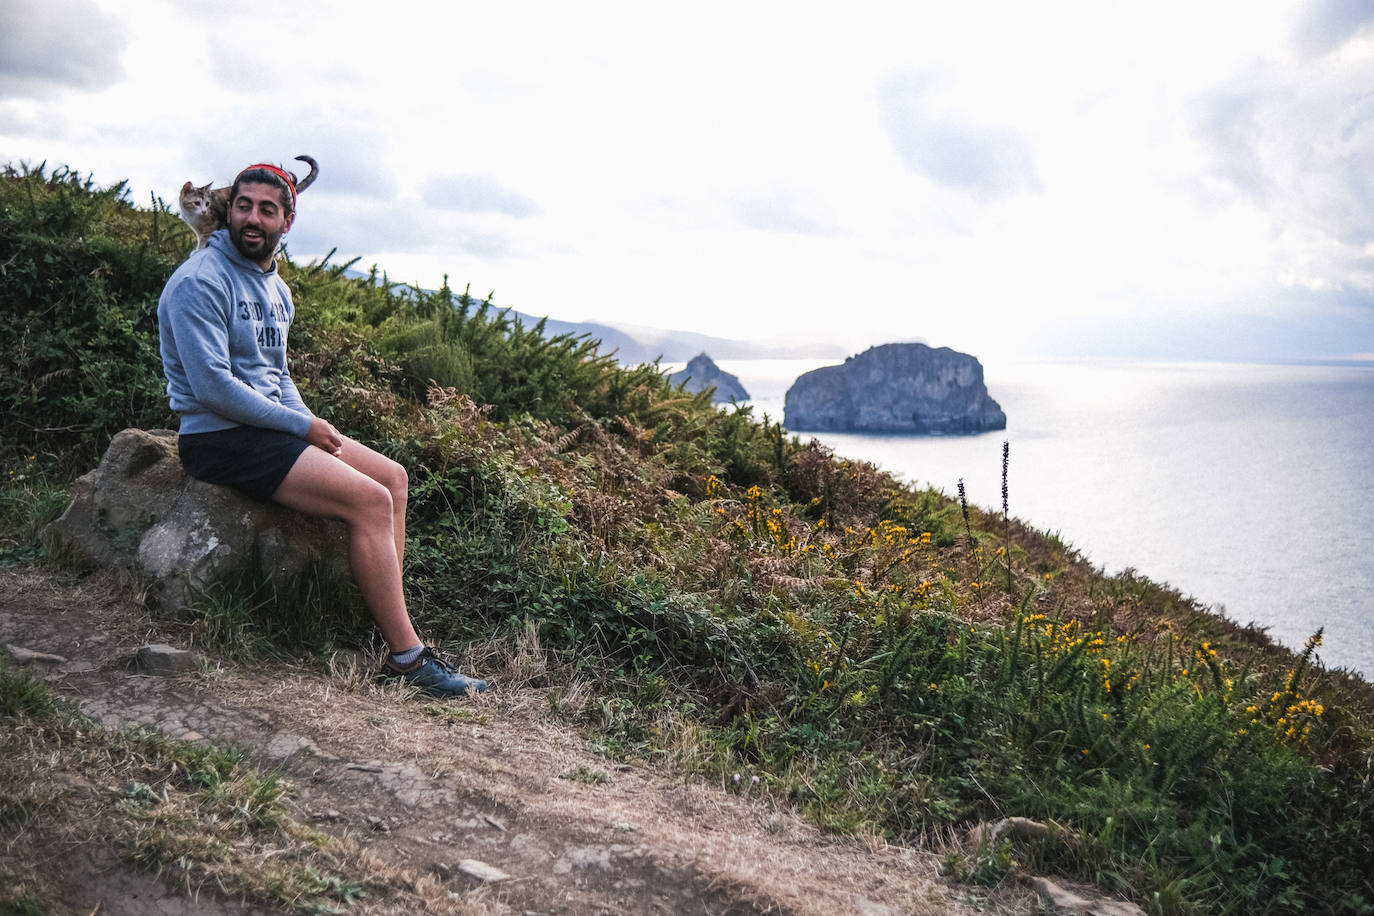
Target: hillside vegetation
x=889 y=660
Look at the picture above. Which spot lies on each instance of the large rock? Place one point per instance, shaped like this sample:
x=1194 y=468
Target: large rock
x=895 y=388
x=702 y=373
x=139 y=512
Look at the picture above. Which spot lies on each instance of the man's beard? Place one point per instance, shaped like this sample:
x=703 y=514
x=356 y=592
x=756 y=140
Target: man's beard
x=258 y=249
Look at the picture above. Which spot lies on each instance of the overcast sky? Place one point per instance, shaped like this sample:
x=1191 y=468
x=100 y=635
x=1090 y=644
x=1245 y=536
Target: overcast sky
x=1172 y=179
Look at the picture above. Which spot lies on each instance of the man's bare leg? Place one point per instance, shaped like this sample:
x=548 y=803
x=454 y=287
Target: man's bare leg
x=390 y=475
x=323 y=485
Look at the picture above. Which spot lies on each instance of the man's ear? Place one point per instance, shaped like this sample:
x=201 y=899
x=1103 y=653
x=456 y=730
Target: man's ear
x=290 y=218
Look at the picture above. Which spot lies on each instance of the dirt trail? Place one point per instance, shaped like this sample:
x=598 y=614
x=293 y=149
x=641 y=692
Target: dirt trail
x=484 y=779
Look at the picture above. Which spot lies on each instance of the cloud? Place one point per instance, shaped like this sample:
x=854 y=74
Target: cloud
x=1299 y=325
x=781 y=211
x=41 y=122
x=475 y=194
x=1328 y=24
x=1298 y=151
x=1232 y=121
x=377 y=231
x=61 y=44
x=983 y=161
x=353 y=157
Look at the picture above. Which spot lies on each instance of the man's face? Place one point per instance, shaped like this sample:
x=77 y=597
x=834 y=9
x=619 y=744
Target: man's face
x=257 y=221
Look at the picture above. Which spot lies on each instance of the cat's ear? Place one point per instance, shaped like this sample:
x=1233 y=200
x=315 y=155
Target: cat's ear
x=186 y=188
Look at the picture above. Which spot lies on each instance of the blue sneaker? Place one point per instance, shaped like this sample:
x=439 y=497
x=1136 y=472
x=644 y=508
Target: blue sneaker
x=432 y=675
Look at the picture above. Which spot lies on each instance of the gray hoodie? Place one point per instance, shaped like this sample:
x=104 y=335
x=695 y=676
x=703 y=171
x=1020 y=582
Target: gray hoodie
x=222 y=321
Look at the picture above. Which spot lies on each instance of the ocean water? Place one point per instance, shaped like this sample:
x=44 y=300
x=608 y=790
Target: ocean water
x=1247 y=487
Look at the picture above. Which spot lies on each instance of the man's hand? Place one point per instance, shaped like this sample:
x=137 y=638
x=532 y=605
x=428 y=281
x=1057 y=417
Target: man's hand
x=325 y=437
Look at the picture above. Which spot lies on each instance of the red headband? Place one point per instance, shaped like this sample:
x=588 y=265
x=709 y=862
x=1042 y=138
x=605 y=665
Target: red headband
x=283 y=175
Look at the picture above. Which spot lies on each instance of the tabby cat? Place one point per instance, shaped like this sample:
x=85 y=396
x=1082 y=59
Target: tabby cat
x=206 y=210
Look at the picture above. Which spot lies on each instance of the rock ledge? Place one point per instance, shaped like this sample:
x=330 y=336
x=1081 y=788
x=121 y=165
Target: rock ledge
x=139 y=513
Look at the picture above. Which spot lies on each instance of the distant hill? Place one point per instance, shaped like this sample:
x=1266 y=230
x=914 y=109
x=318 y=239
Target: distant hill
x=635 y=344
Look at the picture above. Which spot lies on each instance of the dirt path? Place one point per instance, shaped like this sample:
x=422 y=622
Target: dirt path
x=426 y=786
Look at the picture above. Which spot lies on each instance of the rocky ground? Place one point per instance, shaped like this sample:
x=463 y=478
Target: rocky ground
x=494 y=799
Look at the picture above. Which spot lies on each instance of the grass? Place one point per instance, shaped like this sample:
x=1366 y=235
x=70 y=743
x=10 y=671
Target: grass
x=695 y=587
x=255 y=618
x=29 y=500
x=585 y=774
x=204 y=816
x=886 y=683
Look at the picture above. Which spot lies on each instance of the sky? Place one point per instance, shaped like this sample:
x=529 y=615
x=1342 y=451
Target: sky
x=1172 y=180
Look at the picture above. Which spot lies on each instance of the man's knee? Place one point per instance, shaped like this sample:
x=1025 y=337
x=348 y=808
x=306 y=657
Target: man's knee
x=397 y=482
x=373 y=500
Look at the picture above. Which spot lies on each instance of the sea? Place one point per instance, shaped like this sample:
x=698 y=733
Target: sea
x=1246 y=487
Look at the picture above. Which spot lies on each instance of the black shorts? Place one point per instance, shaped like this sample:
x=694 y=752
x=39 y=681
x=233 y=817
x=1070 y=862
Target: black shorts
x=252 y=460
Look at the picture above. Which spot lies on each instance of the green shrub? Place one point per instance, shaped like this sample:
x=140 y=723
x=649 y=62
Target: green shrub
x=83 y=269
x=887 y=658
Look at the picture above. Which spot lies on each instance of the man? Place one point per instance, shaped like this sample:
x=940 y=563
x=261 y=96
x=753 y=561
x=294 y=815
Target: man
x=223 y=318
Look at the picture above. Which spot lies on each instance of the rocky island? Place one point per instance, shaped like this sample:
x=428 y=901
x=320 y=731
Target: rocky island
x=895 y=388
x=702 y=373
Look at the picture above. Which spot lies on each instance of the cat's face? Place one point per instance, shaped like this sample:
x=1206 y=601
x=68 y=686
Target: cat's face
x=195 y=201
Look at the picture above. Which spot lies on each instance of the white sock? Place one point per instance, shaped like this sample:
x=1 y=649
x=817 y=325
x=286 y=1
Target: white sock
x=407 y=658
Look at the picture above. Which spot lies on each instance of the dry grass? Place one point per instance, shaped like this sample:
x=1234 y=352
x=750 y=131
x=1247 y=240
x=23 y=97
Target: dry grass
x=514 y=748
x=508 y=749
x=201 y=816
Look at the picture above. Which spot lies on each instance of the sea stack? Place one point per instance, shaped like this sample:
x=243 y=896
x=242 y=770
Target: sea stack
x=702 y=373
x=895 y=388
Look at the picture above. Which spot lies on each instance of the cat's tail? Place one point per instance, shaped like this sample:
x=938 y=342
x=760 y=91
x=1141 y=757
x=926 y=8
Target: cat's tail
x=314 y=171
